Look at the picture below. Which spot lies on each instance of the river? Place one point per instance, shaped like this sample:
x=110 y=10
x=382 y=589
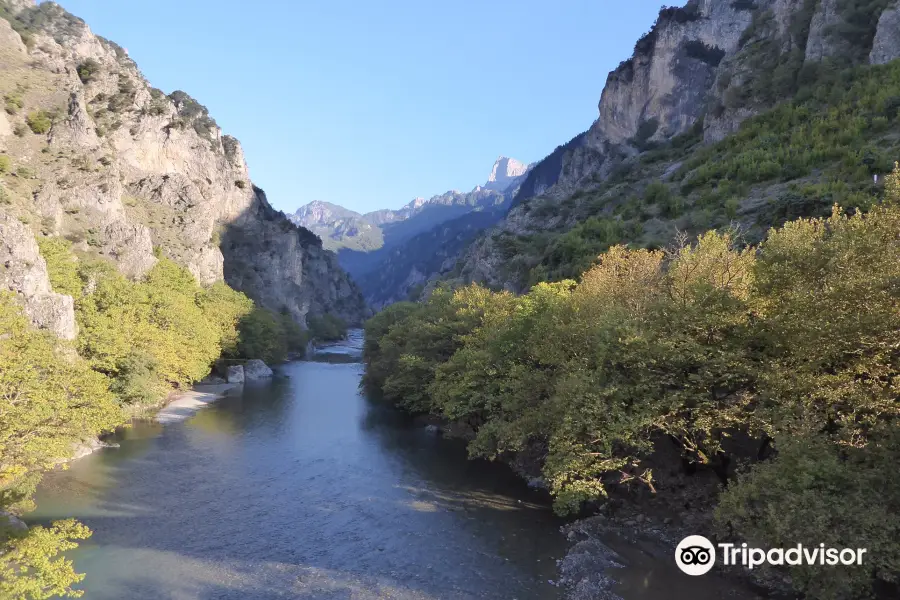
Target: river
x=300 y=488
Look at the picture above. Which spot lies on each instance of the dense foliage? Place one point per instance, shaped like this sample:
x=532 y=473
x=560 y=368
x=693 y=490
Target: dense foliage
x=327 y=327
x=789 y=345
x=137 y=340
x=50 y=399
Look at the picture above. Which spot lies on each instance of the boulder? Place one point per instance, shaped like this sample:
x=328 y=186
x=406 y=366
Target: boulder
x=12 y=523
x=235 y=374
x=256 y=369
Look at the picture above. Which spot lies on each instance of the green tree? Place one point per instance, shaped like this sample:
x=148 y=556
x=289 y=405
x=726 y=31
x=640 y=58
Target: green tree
x=30 y=566
x=62 y=266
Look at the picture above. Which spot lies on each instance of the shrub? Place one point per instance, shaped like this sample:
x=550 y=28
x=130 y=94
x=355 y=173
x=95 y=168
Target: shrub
x=87 y=70
x=160 y=316
x=326 y=327
x=39 y=121
x=5 y=163
x=19 y=129
x=13 y=102
x=62 y=266
x=261 y=336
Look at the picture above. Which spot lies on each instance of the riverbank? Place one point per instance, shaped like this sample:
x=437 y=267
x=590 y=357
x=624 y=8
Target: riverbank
x=185 y=404
x=302 y=488
x=177 y=406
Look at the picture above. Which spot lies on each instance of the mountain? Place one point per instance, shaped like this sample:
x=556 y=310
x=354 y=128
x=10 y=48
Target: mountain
x=93 y=153
x=727 y=114
x=339 y=227
x=505 y=173
x=388 y=251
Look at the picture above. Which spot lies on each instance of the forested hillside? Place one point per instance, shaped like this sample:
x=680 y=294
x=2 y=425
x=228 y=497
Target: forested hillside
x=772 y=367
x=687 y=318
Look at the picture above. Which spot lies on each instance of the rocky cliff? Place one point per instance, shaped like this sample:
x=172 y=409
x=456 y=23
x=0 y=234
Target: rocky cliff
x=124 y=171
x=692 y=80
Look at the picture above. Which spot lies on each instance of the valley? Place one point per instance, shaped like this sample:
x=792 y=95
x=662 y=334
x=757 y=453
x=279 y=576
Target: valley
x=681 y=321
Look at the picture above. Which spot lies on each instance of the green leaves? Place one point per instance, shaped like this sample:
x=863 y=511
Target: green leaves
x=30 y=568
x=711 y=347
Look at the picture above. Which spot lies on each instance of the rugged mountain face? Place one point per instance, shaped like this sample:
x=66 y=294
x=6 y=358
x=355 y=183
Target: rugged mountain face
x=339 y=227
x=699 y=73
x=95 y=154
x=392 y=253
x=505 y=173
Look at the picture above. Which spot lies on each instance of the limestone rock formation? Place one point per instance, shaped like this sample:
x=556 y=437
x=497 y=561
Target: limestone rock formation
x=24 y=271
x=702 y=68
x=506 y=172
x=127 y=171
x=886 y=45
x=235 y=374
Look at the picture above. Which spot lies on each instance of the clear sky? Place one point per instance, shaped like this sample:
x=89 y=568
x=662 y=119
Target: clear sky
x=368 y=103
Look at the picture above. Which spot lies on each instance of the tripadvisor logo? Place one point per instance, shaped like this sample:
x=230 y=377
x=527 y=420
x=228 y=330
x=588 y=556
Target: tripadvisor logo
x=696 y=555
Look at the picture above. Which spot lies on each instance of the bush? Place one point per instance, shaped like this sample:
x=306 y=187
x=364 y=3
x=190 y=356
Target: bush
x=39 y=121
x=45 y=378
x=5 y=164
x=137 y=381
x=261 y=336
x=326 y=328
x=815 y=493
x=13 y=102
x=61 y=265
x=160 y=316
x=87 y=70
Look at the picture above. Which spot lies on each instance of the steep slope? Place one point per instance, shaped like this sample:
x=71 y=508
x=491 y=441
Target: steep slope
x=92 y=152
x=687 y=137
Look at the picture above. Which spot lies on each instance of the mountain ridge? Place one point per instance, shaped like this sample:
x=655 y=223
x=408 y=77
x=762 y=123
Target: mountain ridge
x=126 y=173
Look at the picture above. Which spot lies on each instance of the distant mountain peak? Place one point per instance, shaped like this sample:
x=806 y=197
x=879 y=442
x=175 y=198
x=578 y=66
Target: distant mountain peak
x=504 y=173
x=416 y=202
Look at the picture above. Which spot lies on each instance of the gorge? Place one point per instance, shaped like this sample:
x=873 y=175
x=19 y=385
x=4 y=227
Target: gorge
x=681 y=321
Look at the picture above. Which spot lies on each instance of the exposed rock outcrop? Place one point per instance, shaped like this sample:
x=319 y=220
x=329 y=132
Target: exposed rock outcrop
x=710 y=64
x=886 y=45
x=506 y=172
x=663 y=88
x=127 y=171
x=24 y=271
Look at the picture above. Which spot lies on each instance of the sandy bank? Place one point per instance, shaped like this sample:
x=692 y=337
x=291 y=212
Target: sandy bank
x=185 y=404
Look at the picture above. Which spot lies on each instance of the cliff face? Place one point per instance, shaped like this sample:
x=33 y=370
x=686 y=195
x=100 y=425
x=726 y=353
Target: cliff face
x=118 y=167
x=702 y=69
x=663 y=88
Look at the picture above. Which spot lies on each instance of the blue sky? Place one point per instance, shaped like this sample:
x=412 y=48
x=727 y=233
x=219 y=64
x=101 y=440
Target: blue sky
x=370 y=104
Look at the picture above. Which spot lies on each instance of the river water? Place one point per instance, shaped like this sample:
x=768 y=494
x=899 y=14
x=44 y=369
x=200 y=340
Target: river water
x=300 y=488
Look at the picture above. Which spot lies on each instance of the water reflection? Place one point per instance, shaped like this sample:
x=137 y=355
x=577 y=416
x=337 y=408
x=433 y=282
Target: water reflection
x=298 y=488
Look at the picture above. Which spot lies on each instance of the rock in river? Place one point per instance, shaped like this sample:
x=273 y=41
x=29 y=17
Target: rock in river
x=256 y=369
x=235 y=374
